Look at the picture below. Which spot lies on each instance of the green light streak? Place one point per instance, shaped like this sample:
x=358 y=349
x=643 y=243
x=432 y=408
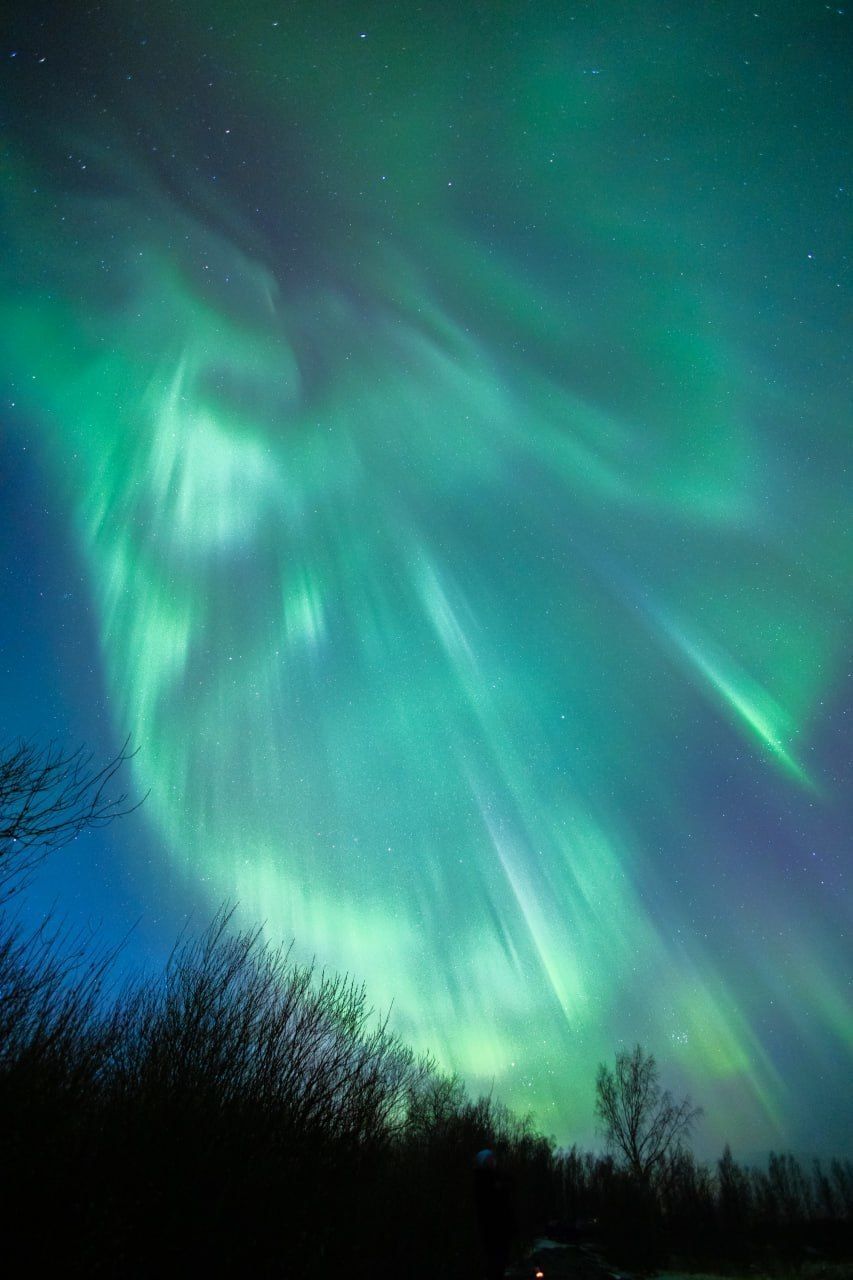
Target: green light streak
x=753 y=707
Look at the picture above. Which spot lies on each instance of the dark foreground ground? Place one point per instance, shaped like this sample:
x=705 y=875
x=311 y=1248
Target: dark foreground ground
x=552 y=1260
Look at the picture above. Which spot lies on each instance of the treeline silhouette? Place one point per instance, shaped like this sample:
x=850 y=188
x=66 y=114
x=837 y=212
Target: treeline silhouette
x=700 y=1215
x=243 y=1113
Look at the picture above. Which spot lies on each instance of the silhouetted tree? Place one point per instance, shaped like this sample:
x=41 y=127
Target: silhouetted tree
x=734 y=1194
x=640 y=1120
x=47 y=797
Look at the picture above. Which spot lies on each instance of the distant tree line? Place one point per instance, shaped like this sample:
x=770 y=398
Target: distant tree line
x=242 y=1113
x=696 y=1214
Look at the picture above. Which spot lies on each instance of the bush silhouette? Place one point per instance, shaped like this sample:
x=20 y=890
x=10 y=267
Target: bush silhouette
x=243 y=1112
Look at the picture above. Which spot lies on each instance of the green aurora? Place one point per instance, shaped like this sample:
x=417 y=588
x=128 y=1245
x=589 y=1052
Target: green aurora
x=451 y=407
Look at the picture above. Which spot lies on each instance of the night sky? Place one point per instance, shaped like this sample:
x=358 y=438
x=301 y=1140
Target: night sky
x=425 y=428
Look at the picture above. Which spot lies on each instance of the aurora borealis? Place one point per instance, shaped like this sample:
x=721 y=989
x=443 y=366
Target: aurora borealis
x=447 y=412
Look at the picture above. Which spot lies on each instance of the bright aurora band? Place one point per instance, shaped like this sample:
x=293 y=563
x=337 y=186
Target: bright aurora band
x=426 y=431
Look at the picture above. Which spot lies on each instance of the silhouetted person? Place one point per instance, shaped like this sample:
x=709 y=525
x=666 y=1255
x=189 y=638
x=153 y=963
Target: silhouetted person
x=495 y=1213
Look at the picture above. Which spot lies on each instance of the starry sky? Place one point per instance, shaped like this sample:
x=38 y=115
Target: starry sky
x=426 y=430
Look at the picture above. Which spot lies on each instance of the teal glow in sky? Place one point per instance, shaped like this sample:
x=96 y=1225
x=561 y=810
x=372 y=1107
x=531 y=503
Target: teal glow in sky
x=447 y=414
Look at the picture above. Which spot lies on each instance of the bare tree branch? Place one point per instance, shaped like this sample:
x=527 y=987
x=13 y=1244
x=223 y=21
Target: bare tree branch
x=639 y=1119
x=48 y=796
